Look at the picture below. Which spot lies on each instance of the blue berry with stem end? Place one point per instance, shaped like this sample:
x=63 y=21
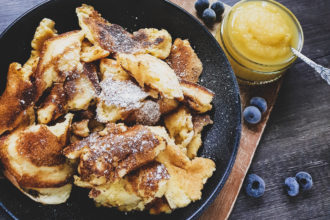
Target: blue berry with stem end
x=254 y=185
x=252 y=115
x=305 y=180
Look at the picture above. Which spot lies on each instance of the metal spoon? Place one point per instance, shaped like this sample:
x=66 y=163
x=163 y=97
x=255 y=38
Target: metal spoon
x=324 y=72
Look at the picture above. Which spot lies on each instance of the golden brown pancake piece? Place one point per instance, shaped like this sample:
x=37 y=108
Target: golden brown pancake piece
x=76 y=93
x=153 y=72
x=180 y=126
x=80 y=128
x=115 y=39
x=134 y=192
x=184 y=61
x=187 y=177
x=119 y=151
x=167 y=105
x=60 y=57
x=120 y=96
x=196 y=96
x=32 y=159
x=17 y=97
x=90 y=52
x=199 y=122
x=54 y=106
x=19 y=94
x=155 y=42
x=44 y=31
x=110 y=37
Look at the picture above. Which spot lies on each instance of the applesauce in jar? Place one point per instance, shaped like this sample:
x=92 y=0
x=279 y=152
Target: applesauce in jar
x=257 y=36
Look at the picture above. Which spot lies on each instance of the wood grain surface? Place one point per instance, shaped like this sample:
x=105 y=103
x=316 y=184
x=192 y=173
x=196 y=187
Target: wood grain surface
x=297 y=136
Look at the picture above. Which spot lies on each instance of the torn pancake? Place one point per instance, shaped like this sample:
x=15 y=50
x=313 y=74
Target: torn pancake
x=110 y=68
x=148 y=114
x=32 y=160
x=167 y=105
x=81 y=88
x=90 y=52
x=109 y=37
x=120 y=96
x=199 y=122
x=151 y=71
x=115 y=39
x=109 y=155
x=180 y=126
x=54 y=106
x=80 y=128
x=20 y=93
x=187 y=177
x=135 y=191
x=184 y=61
x=60 y=57
x=44 y=31
x=196 y=96
x=155 y=42
x=76 y=93
x=18 y=96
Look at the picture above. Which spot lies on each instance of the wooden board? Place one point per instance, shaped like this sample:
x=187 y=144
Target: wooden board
x=251 y=135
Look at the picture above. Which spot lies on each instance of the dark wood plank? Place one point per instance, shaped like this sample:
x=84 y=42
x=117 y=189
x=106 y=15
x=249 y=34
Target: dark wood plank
x=297 y=138
x=12 y=9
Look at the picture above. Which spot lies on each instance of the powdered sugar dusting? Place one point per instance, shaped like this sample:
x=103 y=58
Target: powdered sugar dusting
x=124 y=94
x=118 y=153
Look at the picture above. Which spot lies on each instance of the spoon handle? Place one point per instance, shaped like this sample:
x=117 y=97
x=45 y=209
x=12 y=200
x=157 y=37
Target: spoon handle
x=324 y=72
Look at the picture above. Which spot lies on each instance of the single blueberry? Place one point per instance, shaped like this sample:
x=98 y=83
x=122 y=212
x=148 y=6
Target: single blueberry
x=252 y=115
x=219 y=8
x=305 y=180
x=201 y=5
x=254 y=185
x=291 y=186
x=260 y=103
x=209 y=16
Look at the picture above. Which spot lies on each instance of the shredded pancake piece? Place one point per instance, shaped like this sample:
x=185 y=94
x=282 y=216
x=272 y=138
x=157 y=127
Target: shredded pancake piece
x=110 y=157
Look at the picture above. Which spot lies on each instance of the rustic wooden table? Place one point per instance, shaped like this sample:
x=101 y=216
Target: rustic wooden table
x=297 y=136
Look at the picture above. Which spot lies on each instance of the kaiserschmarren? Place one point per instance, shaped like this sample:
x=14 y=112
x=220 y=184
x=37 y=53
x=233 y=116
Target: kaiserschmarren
x=118 y=113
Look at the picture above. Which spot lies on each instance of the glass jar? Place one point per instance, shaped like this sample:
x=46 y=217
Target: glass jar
x=247 y=68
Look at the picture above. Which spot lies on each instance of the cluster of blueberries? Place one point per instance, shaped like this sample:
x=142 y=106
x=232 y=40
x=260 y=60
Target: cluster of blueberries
x=209 y=15
x=252 y=114
x=255 y=185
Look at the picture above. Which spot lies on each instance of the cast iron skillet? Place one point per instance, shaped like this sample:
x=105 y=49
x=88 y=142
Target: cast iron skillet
x=220 y=140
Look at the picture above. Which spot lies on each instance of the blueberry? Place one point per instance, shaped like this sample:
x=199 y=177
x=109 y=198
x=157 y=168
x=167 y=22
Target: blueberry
x=201 y=5
x=260 y=103
x=209 y=16
x=305 y=180
x=254 y=185
x=219 y=8
x=291 y=186
x=252 y=115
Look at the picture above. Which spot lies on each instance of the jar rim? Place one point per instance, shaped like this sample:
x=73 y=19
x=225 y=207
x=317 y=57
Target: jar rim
x=288 y=12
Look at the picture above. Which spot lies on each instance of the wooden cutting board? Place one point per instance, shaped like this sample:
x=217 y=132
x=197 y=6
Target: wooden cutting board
x=251 y=135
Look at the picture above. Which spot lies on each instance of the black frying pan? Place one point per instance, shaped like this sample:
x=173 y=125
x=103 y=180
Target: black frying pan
x=220 y=140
